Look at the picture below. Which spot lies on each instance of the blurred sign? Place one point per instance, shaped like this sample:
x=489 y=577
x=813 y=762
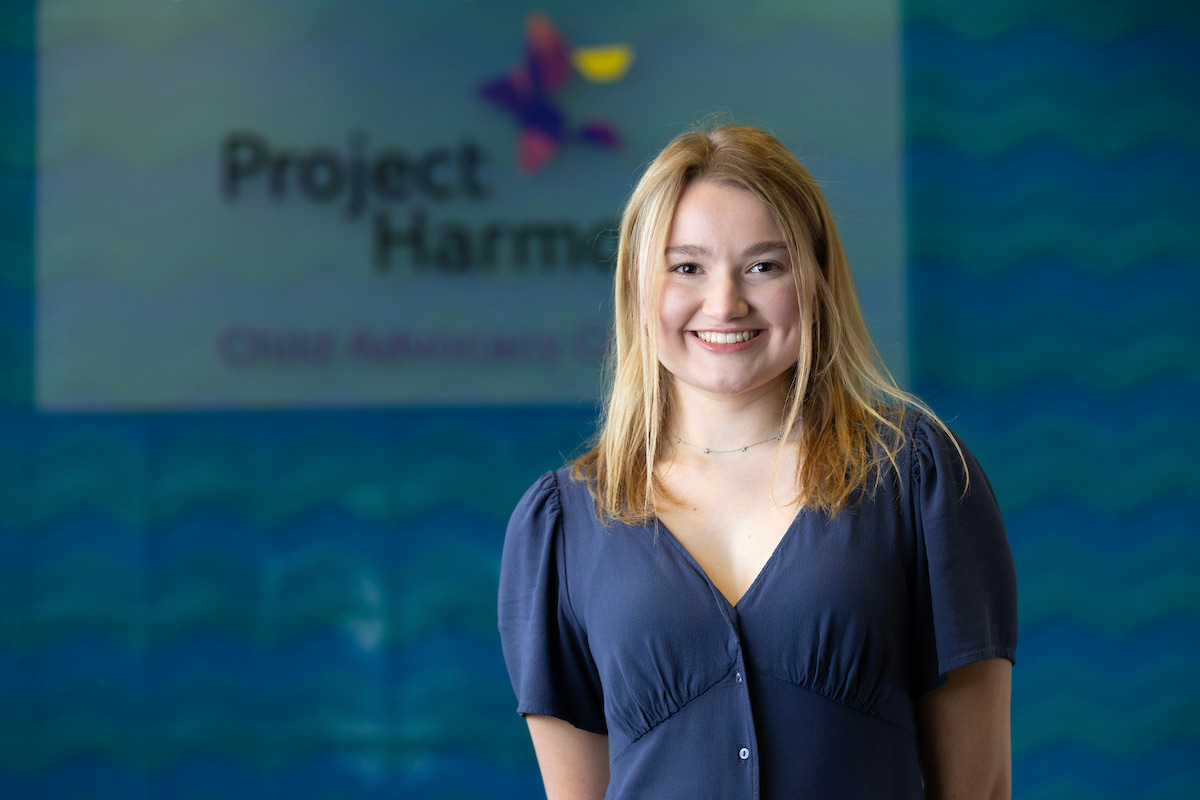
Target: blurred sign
x=249 y=204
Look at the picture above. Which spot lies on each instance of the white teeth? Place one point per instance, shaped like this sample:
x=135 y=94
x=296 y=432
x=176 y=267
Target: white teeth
x=713 y=337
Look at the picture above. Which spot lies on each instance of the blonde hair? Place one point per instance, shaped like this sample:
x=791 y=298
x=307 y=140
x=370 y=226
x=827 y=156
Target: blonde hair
x=843 y=405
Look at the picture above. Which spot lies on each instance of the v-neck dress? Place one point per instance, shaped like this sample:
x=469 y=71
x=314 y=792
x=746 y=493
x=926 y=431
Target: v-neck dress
x=805 y=688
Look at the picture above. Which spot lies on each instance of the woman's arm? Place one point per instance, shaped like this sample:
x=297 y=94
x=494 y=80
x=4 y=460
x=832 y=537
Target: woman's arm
x=574 y=763
x=966 y=745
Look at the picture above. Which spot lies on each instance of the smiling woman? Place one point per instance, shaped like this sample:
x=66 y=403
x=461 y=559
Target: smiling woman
x=688 y=611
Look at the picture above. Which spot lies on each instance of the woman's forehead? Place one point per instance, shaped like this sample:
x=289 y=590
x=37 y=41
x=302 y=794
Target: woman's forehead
x=709 y=215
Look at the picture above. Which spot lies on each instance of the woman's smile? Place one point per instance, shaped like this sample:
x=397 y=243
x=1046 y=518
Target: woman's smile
x=726 y=341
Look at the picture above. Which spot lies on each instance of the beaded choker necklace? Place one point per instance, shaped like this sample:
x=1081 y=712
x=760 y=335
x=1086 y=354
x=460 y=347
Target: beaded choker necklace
x=742 y=449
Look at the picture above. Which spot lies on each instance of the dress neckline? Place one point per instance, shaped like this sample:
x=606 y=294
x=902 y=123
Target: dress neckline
x=656 y=526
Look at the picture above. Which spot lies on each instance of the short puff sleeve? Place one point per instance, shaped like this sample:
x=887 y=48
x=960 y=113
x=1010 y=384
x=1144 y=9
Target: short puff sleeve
x=966 y=586
x=545 y=647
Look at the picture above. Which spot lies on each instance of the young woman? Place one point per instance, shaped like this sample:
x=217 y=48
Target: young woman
x=775 y=574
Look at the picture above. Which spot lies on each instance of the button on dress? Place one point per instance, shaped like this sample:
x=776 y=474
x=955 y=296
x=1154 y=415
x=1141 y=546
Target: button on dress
x=805 y=688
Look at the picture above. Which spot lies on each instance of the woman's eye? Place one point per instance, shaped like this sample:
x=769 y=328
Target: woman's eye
x=764 y=266
x=685 y=269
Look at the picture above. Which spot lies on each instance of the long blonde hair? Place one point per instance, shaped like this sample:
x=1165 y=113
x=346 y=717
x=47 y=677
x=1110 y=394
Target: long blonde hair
x=843 y=405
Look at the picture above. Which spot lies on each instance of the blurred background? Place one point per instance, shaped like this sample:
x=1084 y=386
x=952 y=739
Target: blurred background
x=296 y=299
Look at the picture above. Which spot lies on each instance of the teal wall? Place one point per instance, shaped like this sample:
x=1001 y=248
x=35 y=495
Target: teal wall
x=300 y=604
x=1053 y=173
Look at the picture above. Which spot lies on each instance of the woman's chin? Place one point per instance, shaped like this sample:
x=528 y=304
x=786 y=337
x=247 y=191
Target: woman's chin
x=732 y=387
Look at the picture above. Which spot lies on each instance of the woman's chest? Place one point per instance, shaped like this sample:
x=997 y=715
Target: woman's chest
x=729 y=523
x=730 y=543
x=833 y=589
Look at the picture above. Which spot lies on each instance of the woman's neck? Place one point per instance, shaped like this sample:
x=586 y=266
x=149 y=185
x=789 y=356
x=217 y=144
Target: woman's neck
x=724 y=422
x=723 y=425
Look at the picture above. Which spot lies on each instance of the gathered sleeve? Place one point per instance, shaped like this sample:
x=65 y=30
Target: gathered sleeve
x=545 y=647
x=966 y=587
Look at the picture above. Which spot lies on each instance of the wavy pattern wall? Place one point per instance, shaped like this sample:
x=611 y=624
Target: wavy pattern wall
x=1053 y=176
x=283 y=605
x=254 y=605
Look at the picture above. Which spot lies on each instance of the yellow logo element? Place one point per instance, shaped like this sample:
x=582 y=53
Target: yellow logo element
x=603 y=64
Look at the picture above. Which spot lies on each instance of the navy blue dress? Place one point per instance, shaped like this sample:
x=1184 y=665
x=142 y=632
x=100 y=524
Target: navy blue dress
x=805 y=688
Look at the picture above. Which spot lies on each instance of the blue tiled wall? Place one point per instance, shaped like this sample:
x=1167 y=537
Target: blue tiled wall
x=1053 y=174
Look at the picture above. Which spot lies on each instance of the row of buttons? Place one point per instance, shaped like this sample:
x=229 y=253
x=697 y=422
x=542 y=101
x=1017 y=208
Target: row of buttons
x=744 y=753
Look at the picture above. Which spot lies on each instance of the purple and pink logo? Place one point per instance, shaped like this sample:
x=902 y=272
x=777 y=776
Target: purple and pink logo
x=531 y=91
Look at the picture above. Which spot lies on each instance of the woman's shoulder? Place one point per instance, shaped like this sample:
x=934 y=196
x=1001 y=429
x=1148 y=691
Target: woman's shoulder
x=540 y=500
x=946 y=478
x=929 y=444
x=936 y=451
x=553 y=496
x=917 y=424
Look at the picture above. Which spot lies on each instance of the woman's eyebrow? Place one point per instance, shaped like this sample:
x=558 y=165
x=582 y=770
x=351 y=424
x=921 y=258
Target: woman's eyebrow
x=687 y=250
x=762 y=248
x=757 y=249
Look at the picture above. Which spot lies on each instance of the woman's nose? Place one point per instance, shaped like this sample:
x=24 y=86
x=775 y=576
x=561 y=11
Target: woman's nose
x=725 y=298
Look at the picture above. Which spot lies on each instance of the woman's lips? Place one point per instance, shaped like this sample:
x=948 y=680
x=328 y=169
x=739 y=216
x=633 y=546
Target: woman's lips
x=726 y=341
x=726 y=337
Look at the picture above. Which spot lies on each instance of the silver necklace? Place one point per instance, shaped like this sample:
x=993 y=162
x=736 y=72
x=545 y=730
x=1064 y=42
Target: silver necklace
x=742 y=449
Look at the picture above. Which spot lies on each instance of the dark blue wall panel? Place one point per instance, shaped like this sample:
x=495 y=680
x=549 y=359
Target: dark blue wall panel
x=1053 y=158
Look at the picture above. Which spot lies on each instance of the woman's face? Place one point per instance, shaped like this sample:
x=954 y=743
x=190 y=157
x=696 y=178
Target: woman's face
x=728 y=317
